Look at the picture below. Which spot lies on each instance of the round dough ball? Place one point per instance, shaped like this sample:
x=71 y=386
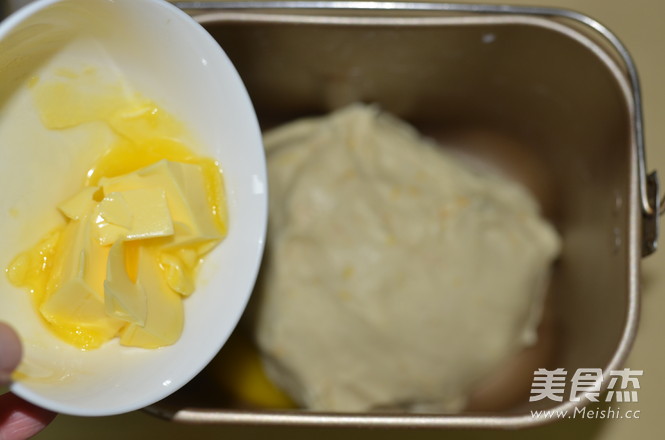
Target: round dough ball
x=395 y=275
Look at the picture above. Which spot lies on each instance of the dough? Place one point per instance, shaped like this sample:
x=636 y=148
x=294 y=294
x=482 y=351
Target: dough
x=396 y=276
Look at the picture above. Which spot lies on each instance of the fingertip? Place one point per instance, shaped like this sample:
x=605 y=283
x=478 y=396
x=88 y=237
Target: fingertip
x=10 y=352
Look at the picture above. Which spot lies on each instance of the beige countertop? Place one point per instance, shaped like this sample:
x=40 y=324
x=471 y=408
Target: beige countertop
x=639 y=25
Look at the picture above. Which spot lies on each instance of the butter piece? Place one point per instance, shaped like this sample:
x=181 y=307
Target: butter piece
x=186 y=194
x=75 y=307
x=68 y=101
x=185 y=239
x=165 y=314
x=118 y=282
x=75 y=300
x=78 y=255
x=79 y=205
x=124 y=299
x=135 y=214
x=179 y=276
x=179 y=266
x=115 y=209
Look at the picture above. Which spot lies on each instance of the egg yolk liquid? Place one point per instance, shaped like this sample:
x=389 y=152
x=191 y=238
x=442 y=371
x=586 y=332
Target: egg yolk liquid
x=135 y=234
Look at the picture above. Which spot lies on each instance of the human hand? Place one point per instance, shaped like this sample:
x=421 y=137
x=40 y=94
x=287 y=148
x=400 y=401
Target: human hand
x=18 y=419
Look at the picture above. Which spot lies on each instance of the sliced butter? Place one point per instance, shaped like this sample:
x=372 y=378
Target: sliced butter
x=165 y=315
x=124 y=299
x=186 y=194
x=127 y=256
x=134 y=214
x=80 y=204
x=79 y=256
x=75 y=307
x=75 y=300
x=179 y=275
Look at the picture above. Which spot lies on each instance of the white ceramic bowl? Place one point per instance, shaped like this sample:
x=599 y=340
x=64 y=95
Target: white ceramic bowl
x=166 y=56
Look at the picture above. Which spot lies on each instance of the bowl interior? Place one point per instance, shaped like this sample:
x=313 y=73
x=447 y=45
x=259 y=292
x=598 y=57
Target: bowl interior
x=164 y=55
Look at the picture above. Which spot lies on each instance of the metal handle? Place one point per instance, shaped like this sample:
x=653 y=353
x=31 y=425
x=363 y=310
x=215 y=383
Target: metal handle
x=650 y=199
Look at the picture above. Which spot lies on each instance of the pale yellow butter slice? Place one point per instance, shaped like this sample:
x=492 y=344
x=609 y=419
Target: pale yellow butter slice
x=76 y=306
x=134 y=214
x=115 y=209
x=186 y=195
x=76 y=298
x=80 y=257
x=179 y=265
x=165 y=314
x=124 y=299
x=179 y=275
x=186 y=239
x=80 y=98
x=80 y=204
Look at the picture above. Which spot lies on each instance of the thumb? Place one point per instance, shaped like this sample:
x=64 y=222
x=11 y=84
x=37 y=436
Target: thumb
x=10 y=353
